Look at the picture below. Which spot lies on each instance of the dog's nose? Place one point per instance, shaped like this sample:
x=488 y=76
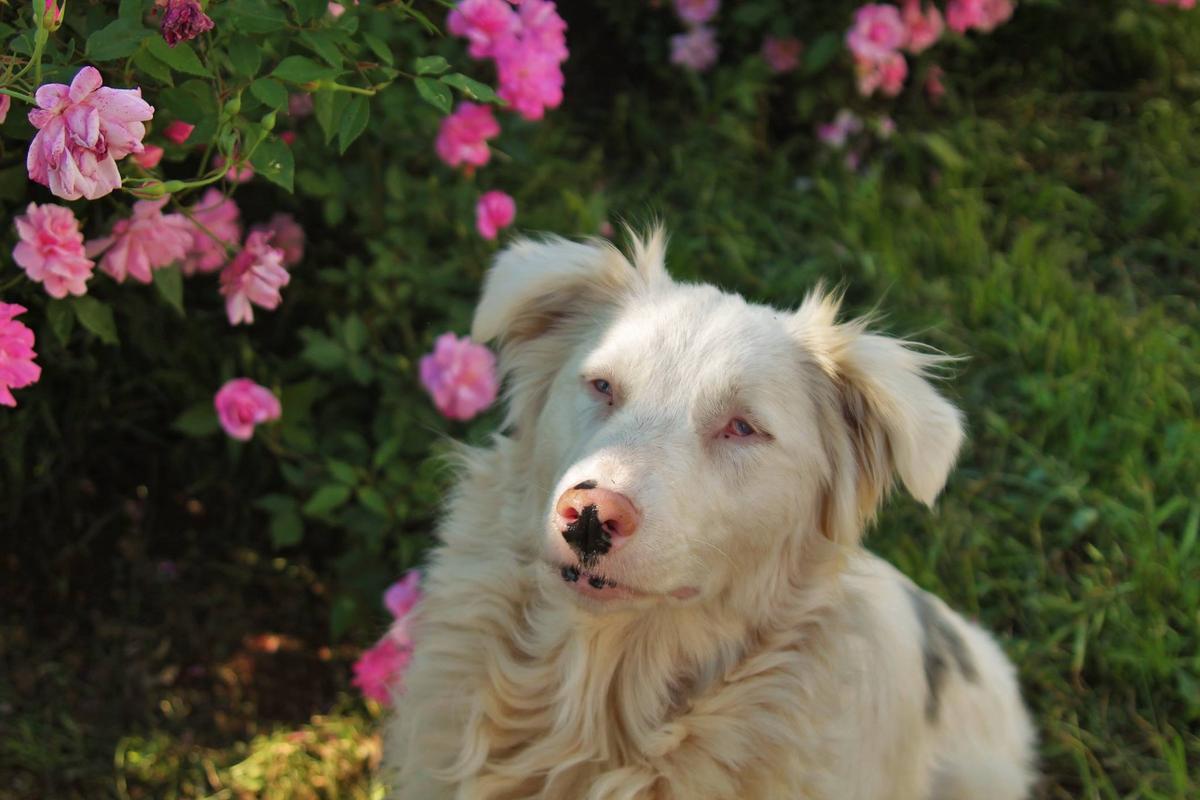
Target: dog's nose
x=594 y=521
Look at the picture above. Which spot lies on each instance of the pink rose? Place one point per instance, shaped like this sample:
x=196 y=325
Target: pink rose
x=184 y=20
x=877 y=33
x=178 y=131
x=695 y=50
x=300 y=105
x=149 y=157
x=483 y=23
x=998 y=12
x=238 y=172
x=17 y=369
x=241 y=404
x=781 y=55
x=83 y=130
x=464 y=134
x=216 y=227
x=541 y=25
x=924 y=27
x=980 y=15
x=402 y=595
x=886 y=75
x=51 y=250
x=288 y=236
x=460 y=375
x=146 y=241
x=381 y=667
x=5 y=104
x=495 y=210
x=934 y=88
x=531 y=78
x=834 y=134
x=696 y=12
x=253 y=278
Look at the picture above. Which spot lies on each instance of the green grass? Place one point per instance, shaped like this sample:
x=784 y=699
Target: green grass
x=1048 y=237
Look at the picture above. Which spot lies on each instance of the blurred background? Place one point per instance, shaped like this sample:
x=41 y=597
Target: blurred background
x=180 y=612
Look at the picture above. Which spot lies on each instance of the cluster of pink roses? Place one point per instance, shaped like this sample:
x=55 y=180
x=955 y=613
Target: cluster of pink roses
x=696 y=48
x=882 y=33
x=527 y=41
x=379 y=671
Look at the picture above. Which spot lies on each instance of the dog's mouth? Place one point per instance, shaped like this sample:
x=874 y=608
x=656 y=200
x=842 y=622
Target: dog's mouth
x=597 y=586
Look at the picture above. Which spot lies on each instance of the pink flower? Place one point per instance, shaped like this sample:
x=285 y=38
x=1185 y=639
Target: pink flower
x=998 y=12
x=834 y=134
x=495 y=210
x=238 y=172
x=5 y=104
x=531 y=78
x=934 y=87
x=924 y=27
x=877 y=33
x=184 y=20
x=378 y=668
x=484 y=23
x=17 y=369
x=288 y=236
x=696 y=12
x=51 y=250
x=146 y=241
x=980 y=15
x=886 y=75
x=402 y=595
x=336 y=10
x=1183 y=4
x=149 y=157
x=52 y=15
x=83 y=130
x=695 y=50
x=214 y=215
x=464 y=134
x=460 y=375
x=300 y=105
x=781 y=55
x=178 y=131
x=541 y=25
x=253 y=278
x=241 y=404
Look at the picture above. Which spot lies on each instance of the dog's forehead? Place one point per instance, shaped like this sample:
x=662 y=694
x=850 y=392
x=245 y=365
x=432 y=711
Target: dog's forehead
x=696 y=331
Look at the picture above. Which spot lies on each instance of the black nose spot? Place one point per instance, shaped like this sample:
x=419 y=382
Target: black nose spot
x=596 y=582
x=585 y=485
x=586 y=535
x=570 y=574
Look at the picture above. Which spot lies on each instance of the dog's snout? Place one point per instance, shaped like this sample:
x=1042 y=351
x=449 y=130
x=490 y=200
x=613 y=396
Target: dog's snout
x=594 y=521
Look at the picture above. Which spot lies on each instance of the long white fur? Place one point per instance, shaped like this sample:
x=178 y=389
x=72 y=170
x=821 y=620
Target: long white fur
x=798 y=670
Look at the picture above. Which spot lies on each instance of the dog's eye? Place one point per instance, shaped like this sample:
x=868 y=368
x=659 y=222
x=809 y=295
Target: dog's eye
x=738 y=428
x=603 y=387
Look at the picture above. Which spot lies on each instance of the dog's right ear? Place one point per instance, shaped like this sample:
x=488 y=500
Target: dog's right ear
x=540 y=299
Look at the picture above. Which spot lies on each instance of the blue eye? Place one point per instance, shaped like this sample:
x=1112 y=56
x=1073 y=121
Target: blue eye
x=739 y=428
x=602 y=386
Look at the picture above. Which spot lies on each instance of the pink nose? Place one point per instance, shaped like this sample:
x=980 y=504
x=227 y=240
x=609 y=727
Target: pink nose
x=593 y=521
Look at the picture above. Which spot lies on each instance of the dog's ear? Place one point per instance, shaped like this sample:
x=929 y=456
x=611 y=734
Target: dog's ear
x=896 y=423
x=541 y=296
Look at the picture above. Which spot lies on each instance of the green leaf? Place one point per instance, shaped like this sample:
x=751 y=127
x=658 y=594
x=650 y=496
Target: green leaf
x=96 y=317
x=342 y=613
x=301 y=69
x=944 y=152
x=328 y=106
x=181 y=57
x=169 y=282
x=276 y=503
x=197 y=420
x=379 y=48
x=274 y=161
x=248 y=16
x=326 y=499
x=309 y=10
x=471 y=87
x=434 y=93
x=431 y=65
x=244 y=56
x=62 y=319
x=323 y=45
x=374 y=500
x=270 y=92
x=343 y=472
x=287 y=529
x=821 y=52
x=354 y=122
x=149 y=64
x=118 y=39
x=354 y=333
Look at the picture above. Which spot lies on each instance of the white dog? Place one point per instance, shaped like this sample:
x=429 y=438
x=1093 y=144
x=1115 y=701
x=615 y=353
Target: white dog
x=652 y=585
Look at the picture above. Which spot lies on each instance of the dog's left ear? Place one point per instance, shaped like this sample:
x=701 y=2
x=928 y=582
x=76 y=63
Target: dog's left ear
x=896 y=423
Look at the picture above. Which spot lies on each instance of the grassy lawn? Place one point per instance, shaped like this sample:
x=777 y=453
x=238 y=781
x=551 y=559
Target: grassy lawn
x=1048 y=234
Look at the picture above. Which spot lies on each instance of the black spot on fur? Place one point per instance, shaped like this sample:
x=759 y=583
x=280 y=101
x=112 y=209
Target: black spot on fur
x=587 y=536
x=942 y=648
x=585 y=485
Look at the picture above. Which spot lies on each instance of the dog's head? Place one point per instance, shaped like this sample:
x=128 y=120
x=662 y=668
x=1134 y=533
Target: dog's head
x=681 y=438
